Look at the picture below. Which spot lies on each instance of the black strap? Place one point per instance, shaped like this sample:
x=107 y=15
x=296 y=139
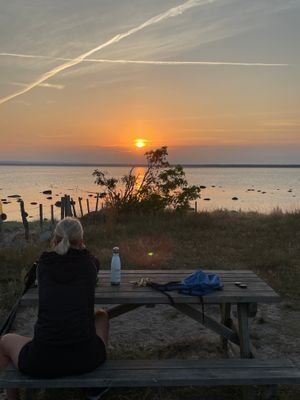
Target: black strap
x=159 y=288
x=202 y=306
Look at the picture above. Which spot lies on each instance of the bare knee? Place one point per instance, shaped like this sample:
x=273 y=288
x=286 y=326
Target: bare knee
x=5 y=342
x=101 y=315
x=102 y=325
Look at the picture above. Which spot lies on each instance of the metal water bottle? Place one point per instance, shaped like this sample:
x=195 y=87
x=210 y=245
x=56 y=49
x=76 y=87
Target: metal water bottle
x=115 y=277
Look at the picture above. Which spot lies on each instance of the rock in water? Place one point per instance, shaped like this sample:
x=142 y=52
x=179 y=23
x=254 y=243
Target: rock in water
x=235 y=198
x=47 y=192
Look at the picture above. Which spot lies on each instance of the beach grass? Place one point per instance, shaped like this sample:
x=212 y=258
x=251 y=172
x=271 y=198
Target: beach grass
x=268 y=244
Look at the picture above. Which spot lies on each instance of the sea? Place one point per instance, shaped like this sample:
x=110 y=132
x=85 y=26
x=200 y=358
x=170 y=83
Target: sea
x=260 y=189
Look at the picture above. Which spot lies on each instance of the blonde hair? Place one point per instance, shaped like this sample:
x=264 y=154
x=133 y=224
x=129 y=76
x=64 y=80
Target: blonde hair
x=68 y=233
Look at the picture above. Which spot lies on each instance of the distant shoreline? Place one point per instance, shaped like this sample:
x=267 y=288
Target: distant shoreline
x=53 y=164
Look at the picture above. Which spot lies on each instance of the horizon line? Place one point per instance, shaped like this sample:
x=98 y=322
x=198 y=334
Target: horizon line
x=193 y=165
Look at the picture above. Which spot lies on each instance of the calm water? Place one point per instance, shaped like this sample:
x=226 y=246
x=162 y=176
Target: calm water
x=270 y=187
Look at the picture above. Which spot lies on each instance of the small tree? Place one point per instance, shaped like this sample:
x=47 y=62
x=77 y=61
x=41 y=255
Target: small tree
x=161 y=187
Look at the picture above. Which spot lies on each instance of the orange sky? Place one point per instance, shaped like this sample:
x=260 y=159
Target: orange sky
x=93 y=111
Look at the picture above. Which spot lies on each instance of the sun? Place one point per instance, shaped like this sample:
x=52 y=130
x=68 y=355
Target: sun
x=140 y=143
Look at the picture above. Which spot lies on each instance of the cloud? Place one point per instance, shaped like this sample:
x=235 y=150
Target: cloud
x=52 y=86
x=172 y=12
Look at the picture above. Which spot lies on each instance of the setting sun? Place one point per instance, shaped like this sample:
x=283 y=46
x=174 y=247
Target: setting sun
x=140 y=143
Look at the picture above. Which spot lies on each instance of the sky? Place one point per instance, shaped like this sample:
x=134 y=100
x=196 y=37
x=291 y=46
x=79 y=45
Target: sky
x=217 y=81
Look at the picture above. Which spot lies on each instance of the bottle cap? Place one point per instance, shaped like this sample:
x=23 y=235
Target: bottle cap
x=116 y=250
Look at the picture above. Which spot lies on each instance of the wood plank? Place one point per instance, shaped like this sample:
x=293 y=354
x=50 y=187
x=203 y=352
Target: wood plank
x=129 y=285
x=173 y=363
x=179 y=271
x=155 y=373
x=129 y=288
x=158 y=298
x=122 y=309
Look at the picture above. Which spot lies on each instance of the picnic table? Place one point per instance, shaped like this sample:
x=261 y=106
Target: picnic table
x=128 y=296
x=246 y=370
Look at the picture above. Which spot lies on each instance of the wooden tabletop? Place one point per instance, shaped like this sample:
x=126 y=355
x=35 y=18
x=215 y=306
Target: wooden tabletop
x=257 y=290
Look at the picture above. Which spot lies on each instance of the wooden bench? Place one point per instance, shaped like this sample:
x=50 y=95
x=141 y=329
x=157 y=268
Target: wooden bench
x=171 y=372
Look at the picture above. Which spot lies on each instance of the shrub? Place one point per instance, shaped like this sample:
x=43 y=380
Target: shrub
x=162 y=186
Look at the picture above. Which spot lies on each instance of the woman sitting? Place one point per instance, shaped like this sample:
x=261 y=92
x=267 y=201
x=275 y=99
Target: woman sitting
x=69 y=337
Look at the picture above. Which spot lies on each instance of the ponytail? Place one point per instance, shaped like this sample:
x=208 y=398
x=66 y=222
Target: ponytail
x=68 y=232
x=63 y=246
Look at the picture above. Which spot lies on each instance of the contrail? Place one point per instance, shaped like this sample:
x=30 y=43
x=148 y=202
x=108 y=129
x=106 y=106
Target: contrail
x=170 y=62
x=26 y=56
x=172 y=12
x=46 y=85
x=152 y=62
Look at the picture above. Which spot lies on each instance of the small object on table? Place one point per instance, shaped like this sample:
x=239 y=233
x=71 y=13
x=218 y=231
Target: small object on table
x=241 y=285
x=141 y=282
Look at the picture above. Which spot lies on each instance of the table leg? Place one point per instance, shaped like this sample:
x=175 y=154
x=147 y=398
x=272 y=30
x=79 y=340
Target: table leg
x=225 y=320
x=249 y=393
x=244 y=333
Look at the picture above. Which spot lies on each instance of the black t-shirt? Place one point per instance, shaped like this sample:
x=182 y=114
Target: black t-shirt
x=66 y=286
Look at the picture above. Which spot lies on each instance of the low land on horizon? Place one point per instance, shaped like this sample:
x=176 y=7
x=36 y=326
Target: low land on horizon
x=72 y=164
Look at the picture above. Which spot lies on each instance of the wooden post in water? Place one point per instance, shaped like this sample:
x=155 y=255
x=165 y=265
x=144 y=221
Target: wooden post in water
x=62 y=208
x=73 y=208
x=66 y=206
x=68 y=210
x=97 y=201
x=196 y=206
x=80 y=205
x=52 y=214
x=24 y=220
x=41 y=216
x=70 y=214
x=88 y=205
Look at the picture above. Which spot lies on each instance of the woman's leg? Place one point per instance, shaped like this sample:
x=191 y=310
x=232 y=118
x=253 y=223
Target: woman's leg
x=102 y=325
x=10 y=347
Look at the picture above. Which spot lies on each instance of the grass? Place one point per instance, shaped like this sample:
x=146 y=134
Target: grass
x=268 y=244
